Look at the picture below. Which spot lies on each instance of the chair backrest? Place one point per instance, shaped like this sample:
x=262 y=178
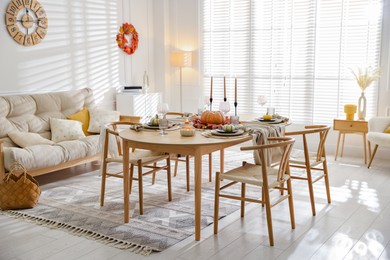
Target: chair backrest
x=321 y=130
x=112 y=142
x=283 y=144
x=177 y=114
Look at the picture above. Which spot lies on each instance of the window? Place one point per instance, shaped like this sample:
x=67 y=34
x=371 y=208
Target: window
x=298 y=53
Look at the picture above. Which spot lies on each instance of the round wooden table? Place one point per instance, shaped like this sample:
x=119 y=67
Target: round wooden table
x=173 y=142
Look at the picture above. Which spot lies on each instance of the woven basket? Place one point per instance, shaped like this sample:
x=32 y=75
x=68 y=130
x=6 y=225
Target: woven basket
x=18 y=191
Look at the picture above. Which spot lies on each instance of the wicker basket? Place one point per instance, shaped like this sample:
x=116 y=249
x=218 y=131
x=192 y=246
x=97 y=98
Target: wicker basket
x=18 y=191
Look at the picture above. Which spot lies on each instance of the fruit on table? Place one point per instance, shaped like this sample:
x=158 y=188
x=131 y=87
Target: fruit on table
x=267 y=117
x=228 y=128
x=154 y=121
x=212 y=117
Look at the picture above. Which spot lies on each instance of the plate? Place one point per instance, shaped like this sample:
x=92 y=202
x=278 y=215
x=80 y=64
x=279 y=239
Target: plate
x=271 y=121
x=150 y=126
x=237 y=132
x=223 y=132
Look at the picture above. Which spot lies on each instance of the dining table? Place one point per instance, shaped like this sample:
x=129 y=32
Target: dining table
x=198 y=145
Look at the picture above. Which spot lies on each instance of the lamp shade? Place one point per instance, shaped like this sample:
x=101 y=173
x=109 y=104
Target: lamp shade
x=181 y=59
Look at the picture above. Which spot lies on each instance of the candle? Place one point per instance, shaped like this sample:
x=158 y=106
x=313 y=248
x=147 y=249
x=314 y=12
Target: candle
x=235 y=89
x=211 y=88
x=224 y=88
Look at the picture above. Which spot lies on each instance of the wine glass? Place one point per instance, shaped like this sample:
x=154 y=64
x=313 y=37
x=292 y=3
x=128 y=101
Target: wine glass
x=224 y=107
x=261 y=100
x=163 y=125
x=162 y=109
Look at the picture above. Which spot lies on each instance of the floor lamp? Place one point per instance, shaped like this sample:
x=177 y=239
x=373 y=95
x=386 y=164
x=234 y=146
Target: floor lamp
x=181 y=59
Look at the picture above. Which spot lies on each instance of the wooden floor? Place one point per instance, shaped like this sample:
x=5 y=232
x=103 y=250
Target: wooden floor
x=355 y=226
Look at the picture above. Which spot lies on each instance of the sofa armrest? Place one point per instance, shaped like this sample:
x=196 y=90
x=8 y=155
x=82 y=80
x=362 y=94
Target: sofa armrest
x=2 y=166
x=132 y=119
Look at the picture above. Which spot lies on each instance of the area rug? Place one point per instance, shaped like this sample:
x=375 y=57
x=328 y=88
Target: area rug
x=74 y=206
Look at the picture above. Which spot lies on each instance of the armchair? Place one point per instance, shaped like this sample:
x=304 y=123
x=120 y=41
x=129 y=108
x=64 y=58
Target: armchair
x=376 y=135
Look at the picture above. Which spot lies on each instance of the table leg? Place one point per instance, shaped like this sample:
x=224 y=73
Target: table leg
x=342 y=146
x=126 y=184
x=222 y=161
x=365 y=148
x=337 y=147
x=198 y=193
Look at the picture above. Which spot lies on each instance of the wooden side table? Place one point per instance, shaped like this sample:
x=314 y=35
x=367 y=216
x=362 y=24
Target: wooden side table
x=350 y=127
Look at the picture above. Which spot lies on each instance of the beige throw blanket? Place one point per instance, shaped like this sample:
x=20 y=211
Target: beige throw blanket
x=260 y=136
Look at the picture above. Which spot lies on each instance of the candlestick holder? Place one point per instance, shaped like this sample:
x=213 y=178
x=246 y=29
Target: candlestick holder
x=211 y=104
x=235 y=108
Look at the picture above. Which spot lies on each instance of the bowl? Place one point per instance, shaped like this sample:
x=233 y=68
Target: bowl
x=187 y=131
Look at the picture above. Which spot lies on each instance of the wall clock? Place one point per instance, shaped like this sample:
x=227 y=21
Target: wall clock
x=26 y=21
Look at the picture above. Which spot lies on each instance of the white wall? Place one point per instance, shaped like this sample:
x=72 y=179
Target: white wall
x=79 y=50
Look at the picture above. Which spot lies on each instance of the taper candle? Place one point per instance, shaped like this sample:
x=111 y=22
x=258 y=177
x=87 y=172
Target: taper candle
x=211 y=88
x=224 y=88
x=235 y=89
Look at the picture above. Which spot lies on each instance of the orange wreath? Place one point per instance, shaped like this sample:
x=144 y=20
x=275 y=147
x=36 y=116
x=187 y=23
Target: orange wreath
x=127 y=32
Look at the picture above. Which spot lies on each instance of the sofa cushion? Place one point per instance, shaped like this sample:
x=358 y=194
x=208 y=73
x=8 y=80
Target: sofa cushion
x=100 y=117
x=31 y=113
x=39 y=156
x=28 y=139
x=83 y=117
x=63 y=130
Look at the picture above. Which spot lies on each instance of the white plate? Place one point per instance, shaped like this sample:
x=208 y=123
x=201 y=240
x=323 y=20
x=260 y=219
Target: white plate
x=150 y=126
x=272 y=121
x=216 y=132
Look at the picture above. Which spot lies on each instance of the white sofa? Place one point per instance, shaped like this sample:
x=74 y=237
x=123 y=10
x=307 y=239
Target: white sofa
x=32 y=113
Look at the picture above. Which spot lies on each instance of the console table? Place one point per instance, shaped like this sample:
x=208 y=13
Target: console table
x=350 y=127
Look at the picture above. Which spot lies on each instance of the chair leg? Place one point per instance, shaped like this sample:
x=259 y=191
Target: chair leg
x=140 y=189
x=176 y=166
x=210 y=167
x=169 y=179
x=131 y=177
x=216 y=203
x=269 y=216
x=326 y=177
x=290 y=203
x=154 y=175
x=188 y=172
x=103 y=187
x=372 y=156
x=243 y=196
x=311 y=190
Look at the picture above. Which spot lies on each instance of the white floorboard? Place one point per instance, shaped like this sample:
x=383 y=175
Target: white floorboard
x=354 y=226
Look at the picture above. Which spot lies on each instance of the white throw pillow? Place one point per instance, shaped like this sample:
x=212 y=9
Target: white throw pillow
x=100 y=117
x=24 y=139
x=64 y=130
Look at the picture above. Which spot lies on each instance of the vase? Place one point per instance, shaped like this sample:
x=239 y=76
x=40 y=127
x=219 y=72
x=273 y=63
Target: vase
x=362 y=107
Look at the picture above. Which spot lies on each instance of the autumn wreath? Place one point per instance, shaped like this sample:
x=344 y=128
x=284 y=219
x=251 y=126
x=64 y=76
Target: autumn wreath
x=126 y=33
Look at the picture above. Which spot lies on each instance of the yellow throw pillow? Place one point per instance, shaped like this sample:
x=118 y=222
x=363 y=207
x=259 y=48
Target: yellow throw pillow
x=83 y=117
x=387 y=131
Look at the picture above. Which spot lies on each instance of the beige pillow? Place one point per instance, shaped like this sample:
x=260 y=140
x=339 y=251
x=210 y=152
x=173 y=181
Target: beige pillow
x=100 y=117
x=24 y=139
x=65 y=130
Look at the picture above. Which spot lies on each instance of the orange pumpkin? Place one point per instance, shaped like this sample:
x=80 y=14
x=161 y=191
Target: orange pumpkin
x=212 y=117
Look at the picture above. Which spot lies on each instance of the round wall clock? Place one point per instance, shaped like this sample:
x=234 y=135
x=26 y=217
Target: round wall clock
x=26 y=21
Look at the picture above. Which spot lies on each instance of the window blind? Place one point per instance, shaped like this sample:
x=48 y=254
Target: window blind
x=299 y=54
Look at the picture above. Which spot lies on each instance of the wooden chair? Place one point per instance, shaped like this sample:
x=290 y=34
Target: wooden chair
x=263 y=176
x=112 y=153
x=311 y=160
x=376 y=135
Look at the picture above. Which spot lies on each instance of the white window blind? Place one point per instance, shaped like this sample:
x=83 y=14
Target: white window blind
x=298 y=53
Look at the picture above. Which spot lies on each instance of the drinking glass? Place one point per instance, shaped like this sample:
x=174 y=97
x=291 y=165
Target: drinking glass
x=162 y=125
x=261 y=100
x=224 y=107
x=162 y=109
x=234 y=120
x=271 y=111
